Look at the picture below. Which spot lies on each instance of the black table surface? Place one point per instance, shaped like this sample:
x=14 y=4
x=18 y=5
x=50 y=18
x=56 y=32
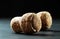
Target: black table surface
x=7 y=33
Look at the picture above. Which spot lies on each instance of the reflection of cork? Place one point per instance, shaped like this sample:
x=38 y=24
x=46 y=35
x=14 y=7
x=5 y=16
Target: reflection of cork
x=46 y=19
x=16 y=24
x=30 y=23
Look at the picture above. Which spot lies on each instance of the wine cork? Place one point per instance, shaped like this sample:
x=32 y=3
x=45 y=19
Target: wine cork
x=16 y=24
x=46 y=19
x=30 y=23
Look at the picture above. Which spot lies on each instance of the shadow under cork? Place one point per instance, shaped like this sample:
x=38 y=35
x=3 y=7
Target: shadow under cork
x=43 y=33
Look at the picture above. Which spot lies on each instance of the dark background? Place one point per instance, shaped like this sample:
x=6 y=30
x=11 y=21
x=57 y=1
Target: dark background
x=14 y=8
